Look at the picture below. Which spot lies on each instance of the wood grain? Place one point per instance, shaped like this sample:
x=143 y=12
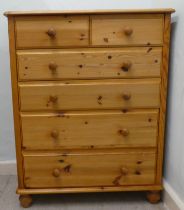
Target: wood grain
x=90 y=169
x=15 y=100
x=89 y=63
x=99 y=125
x=88 y=189
x=75 y=95
x=147 y=29
x=110 y=11
x=31 y=32
x=163 y=98
x=90 y=129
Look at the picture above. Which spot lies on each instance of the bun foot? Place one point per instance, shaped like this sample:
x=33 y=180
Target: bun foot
x=25 y=200
x=153 y=196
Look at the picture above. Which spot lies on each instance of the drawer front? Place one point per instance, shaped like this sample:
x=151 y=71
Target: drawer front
x=89 y=169
x=89 y=63
x=90 y=94
x=52 y=31
x=127 y=29
x=89 y=129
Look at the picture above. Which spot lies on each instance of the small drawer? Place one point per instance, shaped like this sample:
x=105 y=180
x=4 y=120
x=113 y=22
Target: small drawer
x=89 y=63
x=90 y=129
x=95 y=94
x=105 y=168
x=52 y=31
x=143 y=29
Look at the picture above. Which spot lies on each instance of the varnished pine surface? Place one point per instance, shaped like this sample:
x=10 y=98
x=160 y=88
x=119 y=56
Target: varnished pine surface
x=89 y=63
x=89 y=169
x=89 y=129
x=117 y=11
x=94 y=94
x=142 y=94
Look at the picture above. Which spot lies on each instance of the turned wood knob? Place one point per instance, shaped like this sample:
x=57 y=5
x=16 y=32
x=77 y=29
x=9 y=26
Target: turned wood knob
x=126 y=96
x=53 y=99
x=55 y=134
x=124 y=171
x=124 y=132
x=51 y=33
x=153 y=196
x=128 y=31
x=126 y=66
x=25 y=200
x=56 y=172
x=53 y=67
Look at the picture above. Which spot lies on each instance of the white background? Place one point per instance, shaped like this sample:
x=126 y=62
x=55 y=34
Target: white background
x=174 y=161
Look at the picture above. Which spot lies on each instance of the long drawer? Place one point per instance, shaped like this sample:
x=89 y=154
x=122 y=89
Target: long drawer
x=91 y=129
x=89 y=169
x=95 y=94
x=52 y=31
x=125 y=29
x=89 y=63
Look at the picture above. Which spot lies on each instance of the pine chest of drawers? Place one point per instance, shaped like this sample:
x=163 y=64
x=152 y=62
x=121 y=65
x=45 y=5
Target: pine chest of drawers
x=89 y=95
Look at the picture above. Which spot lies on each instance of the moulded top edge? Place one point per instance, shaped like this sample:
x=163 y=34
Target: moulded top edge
x=58 y=12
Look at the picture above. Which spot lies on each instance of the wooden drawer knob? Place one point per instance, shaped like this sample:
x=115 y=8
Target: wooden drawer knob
x=124 y=132
x=126 y=96
x=55 y=134
x=126 y=66
x=124 y=171
x=53 y=67
x=53 y=99
x=51 y=33
x=56 y=172
x=128 y=31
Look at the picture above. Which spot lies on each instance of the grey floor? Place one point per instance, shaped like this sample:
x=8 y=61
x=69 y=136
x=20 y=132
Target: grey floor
x=92 y=201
